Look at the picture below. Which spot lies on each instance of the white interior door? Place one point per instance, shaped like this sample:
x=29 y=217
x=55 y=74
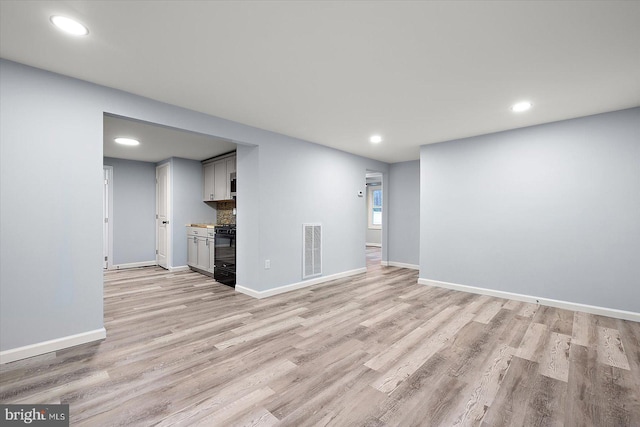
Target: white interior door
x=163 y=227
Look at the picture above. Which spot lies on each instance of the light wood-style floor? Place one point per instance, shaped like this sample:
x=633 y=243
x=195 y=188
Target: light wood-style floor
x=373 y=349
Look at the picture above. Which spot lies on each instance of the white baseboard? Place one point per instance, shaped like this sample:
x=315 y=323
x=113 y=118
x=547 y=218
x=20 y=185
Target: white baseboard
x=299 y=285
x=375 y=245
x=179 y=268
x=592 y=309
x=134 y=265
x=249 y=291
x=51 y=345
x=403 y=265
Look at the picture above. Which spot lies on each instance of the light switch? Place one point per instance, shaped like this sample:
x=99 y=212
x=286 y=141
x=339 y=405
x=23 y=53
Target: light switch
x=267 y=264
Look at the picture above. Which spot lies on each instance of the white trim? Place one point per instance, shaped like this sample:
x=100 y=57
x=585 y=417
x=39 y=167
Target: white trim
x=299 y=285
x=375 y=245
x=109 y=216
x=592 y=309
x=180 y=268
x=37 y=349
x=403 y=265
x=134 y=265
x=250 y=292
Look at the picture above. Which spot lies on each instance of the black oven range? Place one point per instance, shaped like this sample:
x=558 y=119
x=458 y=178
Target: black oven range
x=225 y=255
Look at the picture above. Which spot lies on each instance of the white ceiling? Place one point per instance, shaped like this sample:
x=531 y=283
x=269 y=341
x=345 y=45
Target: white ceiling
x=335 y=72
x=158 y=142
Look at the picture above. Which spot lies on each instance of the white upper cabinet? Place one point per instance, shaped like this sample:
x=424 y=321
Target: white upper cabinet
x=217 y=178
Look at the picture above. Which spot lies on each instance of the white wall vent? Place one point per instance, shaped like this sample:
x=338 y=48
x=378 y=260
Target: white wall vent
x=311 y=250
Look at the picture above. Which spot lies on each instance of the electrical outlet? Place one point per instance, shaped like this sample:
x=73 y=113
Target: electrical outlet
x=267 y=264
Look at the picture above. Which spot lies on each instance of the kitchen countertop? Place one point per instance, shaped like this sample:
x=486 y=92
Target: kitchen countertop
x=204 y=225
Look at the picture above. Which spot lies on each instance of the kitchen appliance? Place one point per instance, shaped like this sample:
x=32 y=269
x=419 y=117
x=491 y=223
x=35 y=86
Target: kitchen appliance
x=225 y=254
x=232 y=184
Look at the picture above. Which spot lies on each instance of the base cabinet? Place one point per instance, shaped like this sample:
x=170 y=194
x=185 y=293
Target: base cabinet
x=200 y=248
x=192 y=250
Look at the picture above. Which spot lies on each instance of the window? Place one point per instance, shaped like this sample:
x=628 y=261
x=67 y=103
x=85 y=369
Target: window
x=375 y=206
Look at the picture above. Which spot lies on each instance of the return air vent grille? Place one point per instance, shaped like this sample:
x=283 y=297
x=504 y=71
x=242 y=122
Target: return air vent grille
x=311 y=250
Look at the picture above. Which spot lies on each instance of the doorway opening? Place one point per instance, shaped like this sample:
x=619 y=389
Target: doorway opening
x=107 y=209
x=159 y=187
x=374 y=224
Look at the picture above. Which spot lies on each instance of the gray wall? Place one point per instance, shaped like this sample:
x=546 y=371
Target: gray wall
x=134 y=209
x=50 y=207
x=62 y=141
x=403 y=202
x=550 y=211
x=284 y=173
x=187 y=205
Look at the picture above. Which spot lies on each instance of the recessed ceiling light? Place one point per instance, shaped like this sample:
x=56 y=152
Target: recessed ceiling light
x=521 y=106
x=376 y=139
x=127 y=141
x=69 y=26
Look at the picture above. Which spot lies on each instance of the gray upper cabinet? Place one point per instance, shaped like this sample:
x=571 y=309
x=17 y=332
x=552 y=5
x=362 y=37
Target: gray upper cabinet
x=217 y=178
x=231 y=166
x=220 y=180
x=208 y=182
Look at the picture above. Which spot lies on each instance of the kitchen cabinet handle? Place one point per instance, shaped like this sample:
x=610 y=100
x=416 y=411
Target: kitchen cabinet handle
x=195 y=239
x=207 y=242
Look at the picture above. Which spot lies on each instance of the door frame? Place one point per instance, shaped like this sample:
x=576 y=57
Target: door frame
x=108 y=215
x=383 y=227
x=169 y=215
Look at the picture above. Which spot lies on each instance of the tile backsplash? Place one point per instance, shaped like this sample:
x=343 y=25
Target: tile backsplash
x=225 y=212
